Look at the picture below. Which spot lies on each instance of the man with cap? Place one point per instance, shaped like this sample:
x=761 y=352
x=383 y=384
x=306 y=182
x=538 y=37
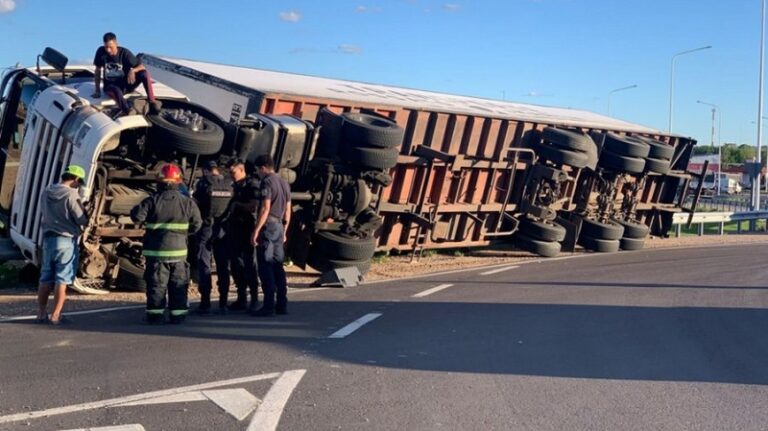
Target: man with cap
x=168 y=217
x=240 y=225
x=213 y=193
x=63 y=221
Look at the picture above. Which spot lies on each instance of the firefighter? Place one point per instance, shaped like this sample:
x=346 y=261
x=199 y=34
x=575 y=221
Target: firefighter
x=240 y=225
x=212 y=193
x=169 y=217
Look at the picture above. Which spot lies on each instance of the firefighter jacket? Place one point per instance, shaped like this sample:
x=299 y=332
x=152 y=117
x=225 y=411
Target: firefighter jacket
x=168 y=217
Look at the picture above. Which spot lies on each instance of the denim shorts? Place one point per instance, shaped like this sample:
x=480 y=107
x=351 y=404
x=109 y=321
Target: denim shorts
x=60 y=260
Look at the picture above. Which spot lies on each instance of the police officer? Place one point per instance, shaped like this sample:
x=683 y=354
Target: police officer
x=169 y=217
x=269 y=237
x=241 y=222
x=212 y=193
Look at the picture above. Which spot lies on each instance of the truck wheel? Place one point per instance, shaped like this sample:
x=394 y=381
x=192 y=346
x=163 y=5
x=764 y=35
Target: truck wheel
x=323 y=265
x=336 y=246
x=535 y=246
x=630 y=244
x=595 y=229
x=659 y=150
x=627 y=146
x=559 y=156
x=633 y=229
x=541 y=230
x=130 y=277
x=364 y=130
x=600 y=245
x=657 y=165
x=372 y=158
x=180 y=130
x=568 y=139
x=618 y=163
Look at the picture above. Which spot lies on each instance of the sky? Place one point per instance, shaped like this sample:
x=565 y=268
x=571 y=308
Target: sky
x=564 y=53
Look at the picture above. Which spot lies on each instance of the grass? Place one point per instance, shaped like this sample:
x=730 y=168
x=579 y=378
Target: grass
x=714 y=228
x=380 y=257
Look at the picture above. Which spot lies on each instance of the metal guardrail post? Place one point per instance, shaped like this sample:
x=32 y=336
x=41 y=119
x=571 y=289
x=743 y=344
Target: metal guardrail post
x=722 y=228
x=678 y=230
x=701 y=229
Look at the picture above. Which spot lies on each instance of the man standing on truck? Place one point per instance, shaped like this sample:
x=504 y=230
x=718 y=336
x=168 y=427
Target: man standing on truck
x=123 y=73
x=240 y=225
x=213 y=194
x=169 y=218
x=269 y=237
x=63 y=221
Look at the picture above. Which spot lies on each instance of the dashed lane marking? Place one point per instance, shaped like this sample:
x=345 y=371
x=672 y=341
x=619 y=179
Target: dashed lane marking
x=432 y=290
x=131 y=427
x=498 y=270
x=354 y=326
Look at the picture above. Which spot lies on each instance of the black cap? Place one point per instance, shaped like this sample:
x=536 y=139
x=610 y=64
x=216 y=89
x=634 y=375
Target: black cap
x=211 y=165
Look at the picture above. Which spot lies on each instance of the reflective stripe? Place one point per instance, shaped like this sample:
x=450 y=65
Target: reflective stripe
x=167 y=226
x=179 y=312
x=155 y=310
x=165 y=253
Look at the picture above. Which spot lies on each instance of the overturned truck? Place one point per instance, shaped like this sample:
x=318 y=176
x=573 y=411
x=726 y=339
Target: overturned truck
x=371 y=167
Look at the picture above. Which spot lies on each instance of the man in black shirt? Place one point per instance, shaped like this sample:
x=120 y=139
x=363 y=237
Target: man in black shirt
x=269 y=237
x=123 y=73
x=240 y=225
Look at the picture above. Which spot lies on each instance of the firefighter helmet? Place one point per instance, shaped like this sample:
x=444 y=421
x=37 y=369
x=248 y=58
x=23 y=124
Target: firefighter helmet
x=170 y=173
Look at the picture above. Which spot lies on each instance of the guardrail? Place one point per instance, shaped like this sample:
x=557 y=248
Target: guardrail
x=720 y=218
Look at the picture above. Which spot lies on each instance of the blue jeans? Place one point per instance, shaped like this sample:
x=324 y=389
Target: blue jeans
x=60 y=260
x=271 y=254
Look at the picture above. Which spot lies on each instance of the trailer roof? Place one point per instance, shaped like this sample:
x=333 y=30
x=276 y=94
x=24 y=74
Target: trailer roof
x=266 y=81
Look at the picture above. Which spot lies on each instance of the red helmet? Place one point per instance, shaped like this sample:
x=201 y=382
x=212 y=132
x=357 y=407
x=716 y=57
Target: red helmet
x=170 y=173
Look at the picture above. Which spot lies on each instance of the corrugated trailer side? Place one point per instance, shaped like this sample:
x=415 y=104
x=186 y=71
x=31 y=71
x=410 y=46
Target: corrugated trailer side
x=469 y=196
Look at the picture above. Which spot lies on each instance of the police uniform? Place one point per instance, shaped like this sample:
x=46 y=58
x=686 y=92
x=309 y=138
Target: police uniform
x=212 y=193
x=271 y=249
x=240 y=226
x=169 y=218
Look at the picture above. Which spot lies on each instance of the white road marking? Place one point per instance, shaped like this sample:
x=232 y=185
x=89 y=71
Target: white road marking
x=268 y=414
x=131 y=427
x=431 y=291
x=187 y=397
x=354 y=326
x=145 y=396
x=498 y=270
x=237 y=402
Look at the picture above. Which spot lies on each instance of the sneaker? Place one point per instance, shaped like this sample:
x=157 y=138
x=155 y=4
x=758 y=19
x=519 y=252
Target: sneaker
x=263 y=312
x=155 y=107
x=63 y=320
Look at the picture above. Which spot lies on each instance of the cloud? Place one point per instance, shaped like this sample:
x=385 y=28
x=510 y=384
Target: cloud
x=451 y=7
x=350 y=49
x=366 y=9
x=536 y=94
x=288 y=16
x=7 y=6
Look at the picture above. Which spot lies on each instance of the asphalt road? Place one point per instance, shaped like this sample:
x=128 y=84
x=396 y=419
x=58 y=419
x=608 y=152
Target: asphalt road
x=658 y=339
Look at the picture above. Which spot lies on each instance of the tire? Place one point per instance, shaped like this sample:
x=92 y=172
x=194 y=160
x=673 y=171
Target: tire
x=372 y=158
x=130 y=277
x=627 y=146
x=559 y=156
x=364 y=130
x=659 y=150
x=542 y=248
x=324 y=265
x=543 y=231
x=335 y=246
x=618 y=163
x=165 y=135
x=568 y=139
x=600 y=245
x=633 y=230
x=607 y=231
x=657 y=165
x=630 y=244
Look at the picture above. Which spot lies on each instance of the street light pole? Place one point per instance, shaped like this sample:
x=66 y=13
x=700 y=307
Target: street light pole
x=616 y=91
x=715 y=108
x=672 y=80
x=758 y=174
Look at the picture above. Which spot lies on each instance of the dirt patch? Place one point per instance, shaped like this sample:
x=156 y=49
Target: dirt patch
x=19 y=299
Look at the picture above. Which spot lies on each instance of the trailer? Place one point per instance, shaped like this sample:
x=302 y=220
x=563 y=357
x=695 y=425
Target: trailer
x=372 y=167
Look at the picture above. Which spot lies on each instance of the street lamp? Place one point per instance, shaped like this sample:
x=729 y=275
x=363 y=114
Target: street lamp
x=715 y=108
x=672 y=80
x=616 y=91
x=757 y=176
